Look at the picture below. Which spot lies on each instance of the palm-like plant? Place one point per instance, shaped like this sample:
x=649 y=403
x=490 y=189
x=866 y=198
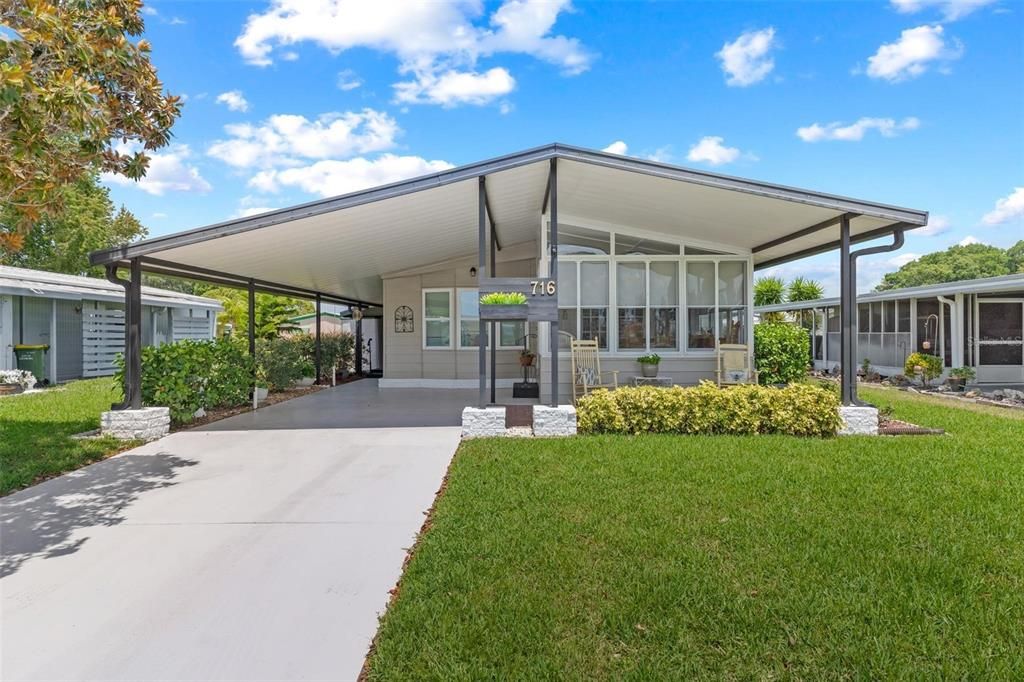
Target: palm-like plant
x=770 y=291
x=804 y=289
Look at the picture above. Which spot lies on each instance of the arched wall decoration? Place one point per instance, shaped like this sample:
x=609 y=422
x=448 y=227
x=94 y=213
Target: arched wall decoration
x=403 y=319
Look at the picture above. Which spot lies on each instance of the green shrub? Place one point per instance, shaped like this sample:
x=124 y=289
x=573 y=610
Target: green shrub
x=797 y=410
x=280 y=362
x=189 y=375
x=336 y=350
x=782 y=352
x=931 y=367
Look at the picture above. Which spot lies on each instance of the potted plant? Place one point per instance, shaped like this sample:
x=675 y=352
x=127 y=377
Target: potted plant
x=526 y=357
x=503 y=305
x=959 y=376
x=15 y=381
x=649 y=364
x=308 y=372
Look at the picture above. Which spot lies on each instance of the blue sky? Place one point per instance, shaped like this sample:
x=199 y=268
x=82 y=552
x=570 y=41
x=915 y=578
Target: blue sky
x=912 y=102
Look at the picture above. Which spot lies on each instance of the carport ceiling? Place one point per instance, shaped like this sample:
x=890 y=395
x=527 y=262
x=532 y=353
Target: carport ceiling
x=341 y=246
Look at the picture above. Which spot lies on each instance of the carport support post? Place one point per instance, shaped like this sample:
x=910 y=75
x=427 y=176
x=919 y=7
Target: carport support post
x=553 y=274
x=847 y=317
x=133 y=337
x=492 y=337
x=359 y=341
x=316 y=346
x=251 y=331
x=481 y=274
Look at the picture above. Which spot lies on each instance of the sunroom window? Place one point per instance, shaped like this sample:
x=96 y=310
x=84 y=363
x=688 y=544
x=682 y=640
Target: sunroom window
x=700 y=305
x=631 y=288
x=437 y=321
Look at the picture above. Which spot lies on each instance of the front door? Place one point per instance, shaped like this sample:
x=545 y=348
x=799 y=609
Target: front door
x=1001 y=340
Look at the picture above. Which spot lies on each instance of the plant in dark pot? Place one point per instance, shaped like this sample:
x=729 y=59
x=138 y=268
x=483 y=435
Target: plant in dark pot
x=649 y=364
x=959 y=376
x=526 y=357
x=503 y=305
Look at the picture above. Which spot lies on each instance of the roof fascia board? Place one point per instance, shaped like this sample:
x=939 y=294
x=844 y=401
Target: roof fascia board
x=831 y=246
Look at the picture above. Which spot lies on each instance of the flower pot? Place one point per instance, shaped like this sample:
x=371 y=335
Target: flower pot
x=956 y=383
x=261 y=393
x=648 y=369
x=504 y=312
x=305 y=381
x=525 y=360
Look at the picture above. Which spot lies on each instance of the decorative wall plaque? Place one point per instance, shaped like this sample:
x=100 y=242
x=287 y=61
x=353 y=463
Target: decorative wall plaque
x=403 y=319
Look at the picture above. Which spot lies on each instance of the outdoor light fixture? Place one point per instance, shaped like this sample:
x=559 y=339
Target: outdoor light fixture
x=472 y=271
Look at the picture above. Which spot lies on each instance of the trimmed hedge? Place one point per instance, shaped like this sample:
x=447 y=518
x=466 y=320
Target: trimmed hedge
x=188 y=375
x=782 y=352
x=796 y=410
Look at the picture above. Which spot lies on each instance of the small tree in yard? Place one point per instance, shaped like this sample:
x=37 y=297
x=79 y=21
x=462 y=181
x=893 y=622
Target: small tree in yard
x=781 y=352
x=924 y=366
x=78 y=94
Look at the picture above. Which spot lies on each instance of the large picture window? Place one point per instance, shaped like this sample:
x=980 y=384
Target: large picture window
x=635 y=294
x=440 y=317
x=437 y=318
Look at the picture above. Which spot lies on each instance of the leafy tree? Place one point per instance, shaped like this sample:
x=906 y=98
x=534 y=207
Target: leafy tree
x=60 y=241
x=272 y=312
x=956 y=263
x=77 y=95
x=803 y=289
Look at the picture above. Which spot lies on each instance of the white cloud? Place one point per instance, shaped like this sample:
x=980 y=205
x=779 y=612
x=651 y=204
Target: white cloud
x=951 y=9
x=855 y=132
x=159 y=216
x=937 y=225
x=169 y=171
x=289 y=55
x=746 y=60
x=618 y=147
x=452 y=88
x=253 y=210
x=233 y=100
x=348 y=80
x=712 y=151
x=911 y=55
x=177 y=21
x=1010 y=207
x=968 y=240
x=439 y=43
x=151 y=11
x=332 y=177
x=287 y=139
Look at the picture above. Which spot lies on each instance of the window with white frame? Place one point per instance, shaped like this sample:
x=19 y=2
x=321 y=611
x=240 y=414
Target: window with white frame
x=439 y=321
x=630 y=293
x=437 y=318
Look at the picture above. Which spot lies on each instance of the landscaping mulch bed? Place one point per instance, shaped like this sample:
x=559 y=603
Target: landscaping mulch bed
x=223 y=413
x=898 y=427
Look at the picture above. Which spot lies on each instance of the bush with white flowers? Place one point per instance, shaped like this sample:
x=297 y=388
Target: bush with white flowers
x=17 y=376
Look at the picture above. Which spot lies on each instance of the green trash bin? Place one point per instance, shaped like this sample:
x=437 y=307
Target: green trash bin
x=32 y=358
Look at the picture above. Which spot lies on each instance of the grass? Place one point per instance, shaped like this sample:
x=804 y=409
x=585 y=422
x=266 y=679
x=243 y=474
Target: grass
x=36 y=429
x=666 y=557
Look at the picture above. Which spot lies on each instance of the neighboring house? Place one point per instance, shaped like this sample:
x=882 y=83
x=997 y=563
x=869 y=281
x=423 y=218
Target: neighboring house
x=972 y=323
x=333 y=323
x=644 y=257
x=82 y=320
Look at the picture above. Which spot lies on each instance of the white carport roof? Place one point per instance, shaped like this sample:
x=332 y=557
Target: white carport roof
x=341 y=246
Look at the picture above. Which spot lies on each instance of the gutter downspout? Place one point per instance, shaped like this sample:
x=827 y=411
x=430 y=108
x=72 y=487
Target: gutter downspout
x=954 y=351
x=850 y=392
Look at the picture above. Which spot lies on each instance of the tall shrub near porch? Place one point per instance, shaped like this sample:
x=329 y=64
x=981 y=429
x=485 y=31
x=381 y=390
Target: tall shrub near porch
x=781 y=352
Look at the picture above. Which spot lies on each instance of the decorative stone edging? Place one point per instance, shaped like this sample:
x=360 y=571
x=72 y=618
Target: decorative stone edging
x=487 y=422
x=148 y=423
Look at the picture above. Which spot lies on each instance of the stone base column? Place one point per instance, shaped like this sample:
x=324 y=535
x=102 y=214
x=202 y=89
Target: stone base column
x=148 y=423
x=482 y=422
x=858 y=420
x=554 y=421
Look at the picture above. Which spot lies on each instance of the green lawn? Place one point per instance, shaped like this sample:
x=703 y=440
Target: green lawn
x=35 y=431
x=667 y=557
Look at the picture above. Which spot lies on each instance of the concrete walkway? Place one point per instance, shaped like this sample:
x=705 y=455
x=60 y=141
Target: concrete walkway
x=218 y=555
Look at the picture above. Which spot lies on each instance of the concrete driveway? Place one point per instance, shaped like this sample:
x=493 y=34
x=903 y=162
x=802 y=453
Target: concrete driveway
x=217 y=555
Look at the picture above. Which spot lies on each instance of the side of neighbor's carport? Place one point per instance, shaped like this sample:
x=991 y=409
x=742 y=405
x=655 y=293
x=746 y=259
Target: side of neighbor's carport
x=81 y=319
x=640 y=255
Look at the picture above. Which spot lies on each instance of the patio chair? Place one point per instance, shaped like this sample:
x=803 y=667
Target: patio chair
x=586 y=369
x=733 y=364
